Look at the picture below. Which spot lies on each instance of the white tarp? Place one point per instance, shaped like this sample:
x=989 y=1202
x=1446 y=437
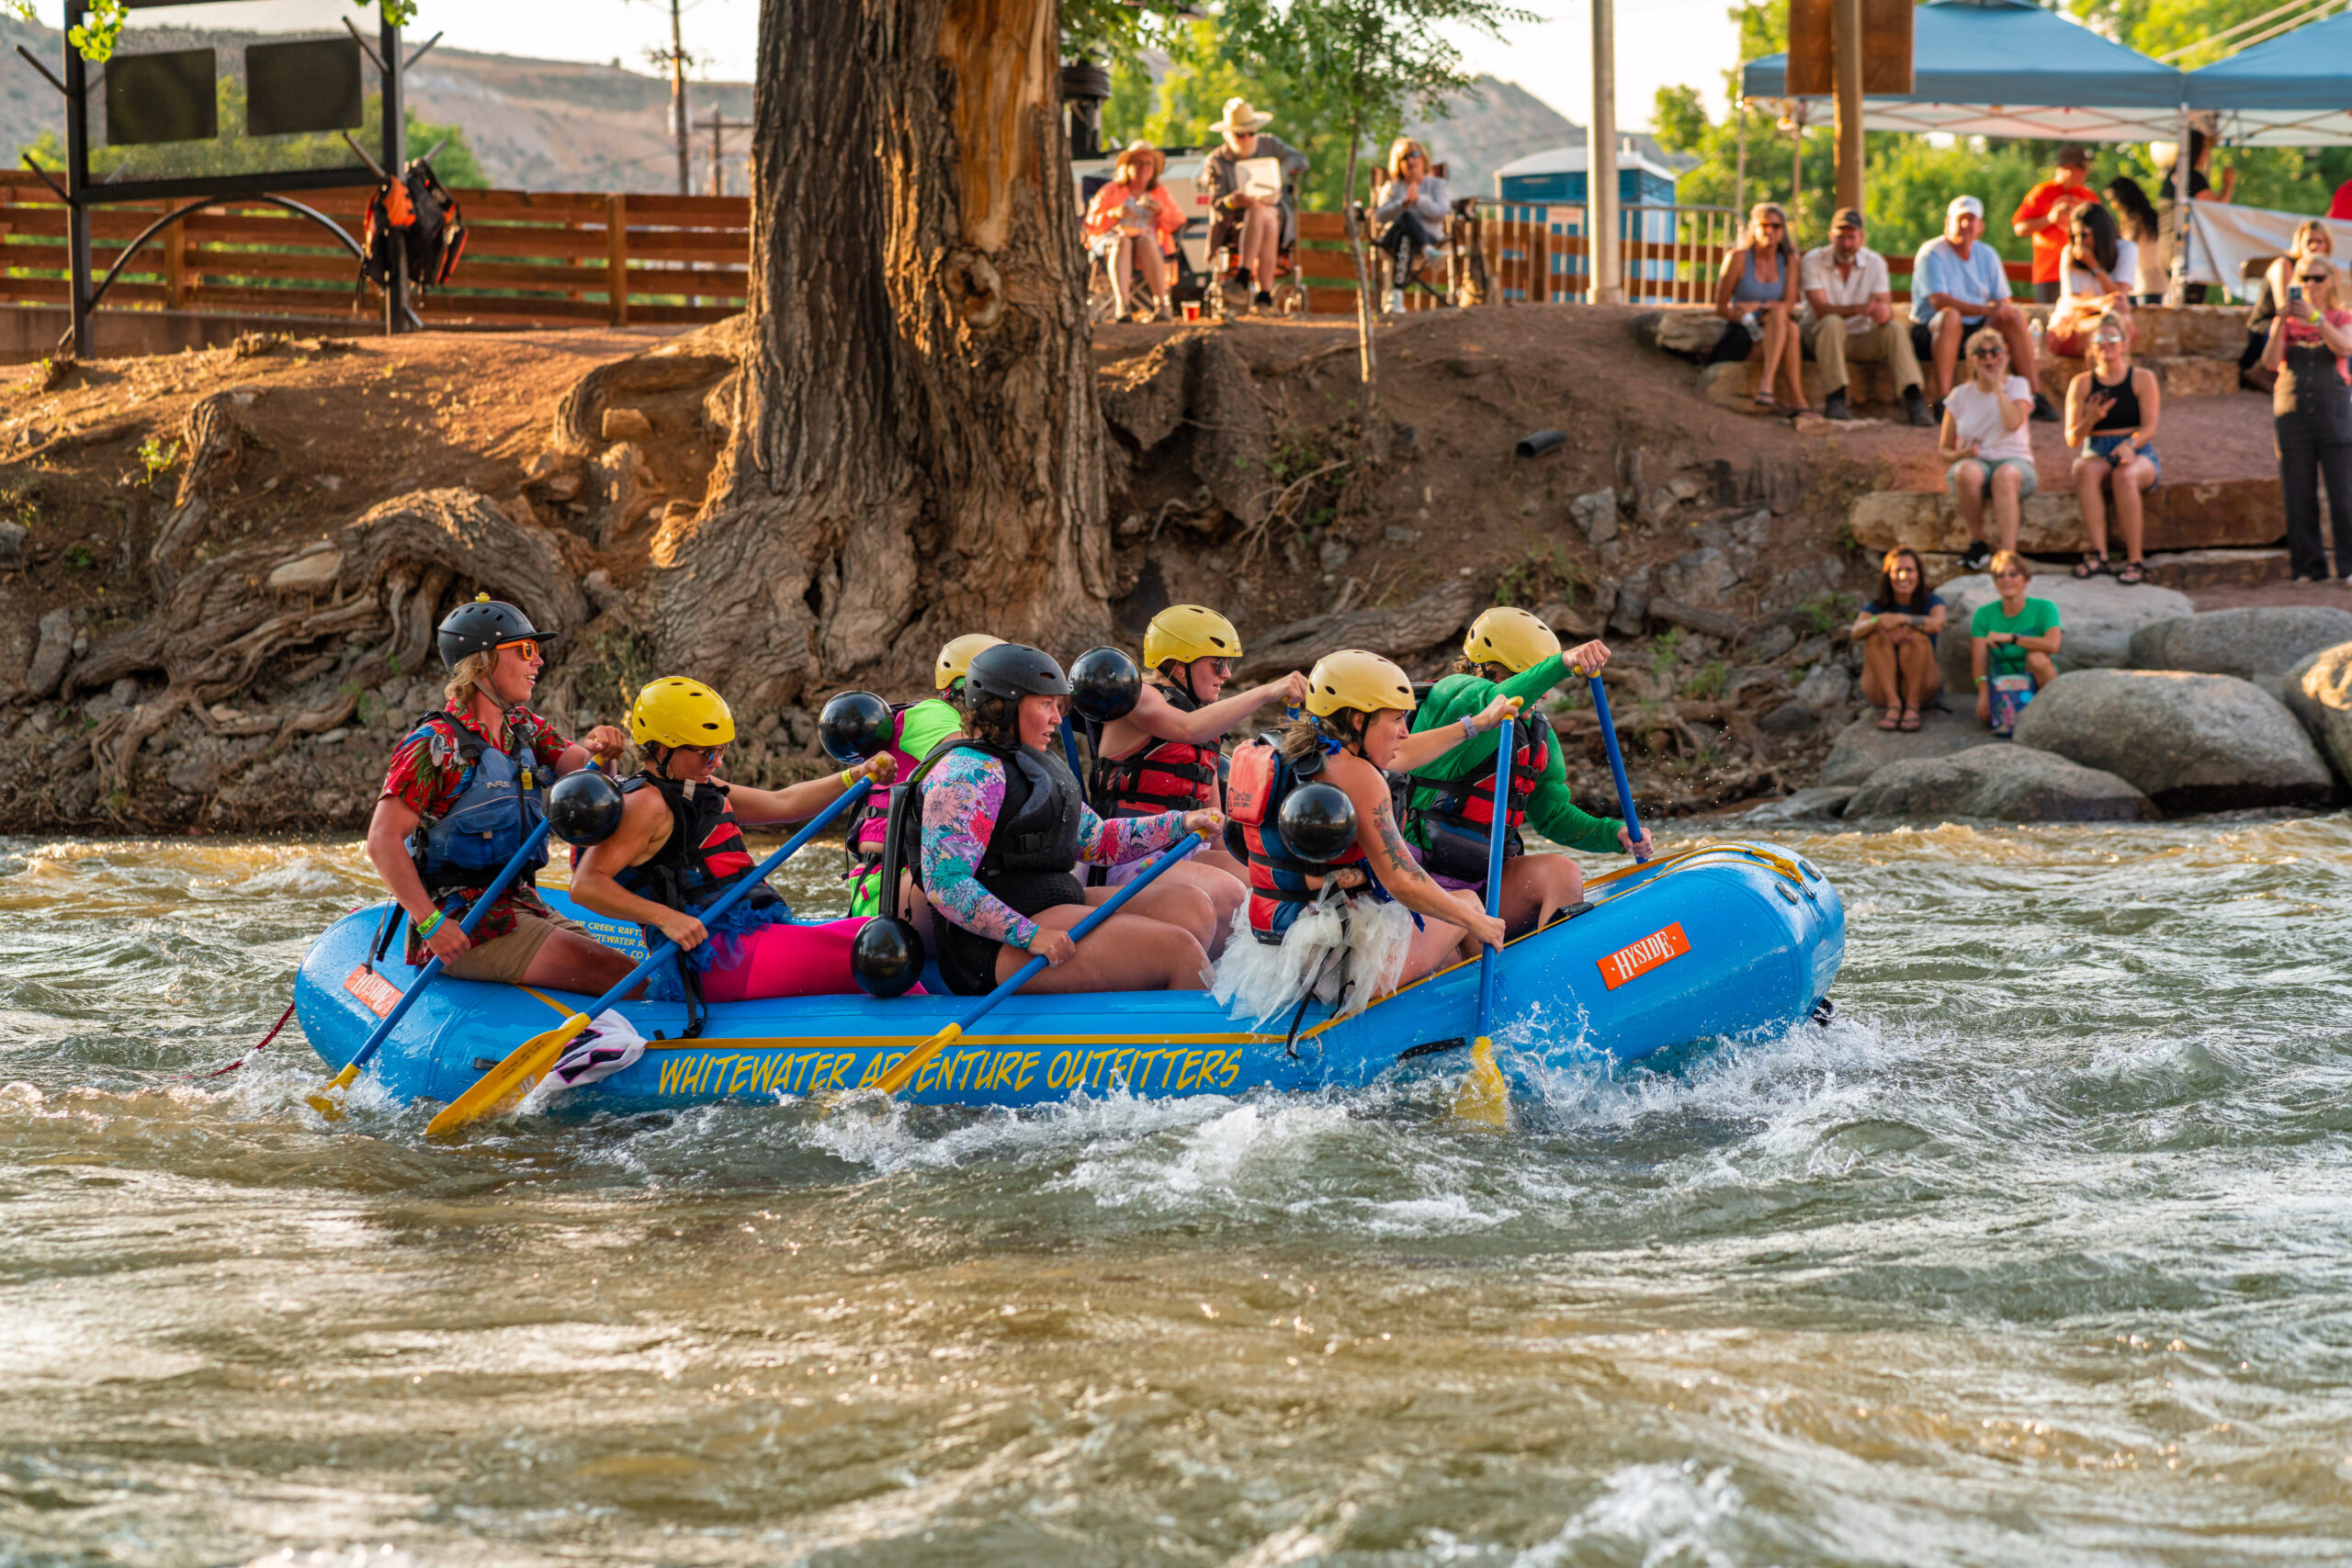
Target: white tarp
x=2221 y=238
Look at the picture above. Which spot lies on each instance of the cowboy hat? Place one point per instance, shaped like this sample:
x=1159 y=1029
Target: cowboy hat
x=1140 y=149
x=1239 y=116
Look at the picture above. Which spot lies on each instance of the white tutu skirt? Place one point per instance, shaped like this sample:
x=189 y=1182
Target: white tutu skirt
x=1262 y=983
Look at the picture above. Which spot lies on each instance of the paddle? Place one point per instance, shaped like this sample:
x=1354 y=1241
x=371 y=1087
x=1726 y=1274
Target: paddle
x=322 y=1099
x=899 y=1076
x=1070 y=750
x=1483 y=1098
x=1617 y=768
x=527 y=1061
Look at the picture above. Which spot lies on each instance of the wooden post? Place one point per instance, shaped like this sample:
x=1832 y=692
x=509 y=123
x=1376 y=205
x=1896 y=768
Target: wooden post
x=1600 y=161
x=176 y=267
x=1847 y=25
x=617 y=256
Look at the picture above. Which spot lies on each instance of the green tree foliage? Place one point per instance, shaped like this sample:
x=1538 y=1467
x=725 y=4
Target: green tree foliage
x=1909 y=178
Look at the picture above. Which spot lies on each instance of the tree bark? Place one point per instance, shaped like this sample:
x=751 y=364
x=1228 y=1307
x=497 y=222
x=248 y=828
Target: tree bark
x=916 y=450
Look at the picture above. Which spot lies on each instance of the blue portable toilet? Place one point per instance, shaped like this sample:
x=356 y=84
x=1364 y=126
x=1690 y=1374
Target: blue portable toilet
x=1645 y=195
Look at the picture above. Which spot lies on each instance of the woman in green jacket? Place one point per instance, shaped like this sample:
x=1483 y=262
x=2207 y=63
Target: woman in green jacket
x=1449 y=803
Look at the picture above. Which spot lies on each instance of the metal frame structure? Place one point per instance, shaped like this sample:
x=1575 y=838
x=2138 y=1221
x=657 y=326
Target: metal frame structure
x=81 y=194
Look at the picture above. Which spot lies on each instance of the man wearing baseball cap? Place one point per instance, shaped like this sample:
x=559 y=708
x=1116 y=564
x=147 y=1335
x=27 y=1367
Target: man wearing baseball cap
x=2047 y=214
x=1850 y=306
x=1957 y=286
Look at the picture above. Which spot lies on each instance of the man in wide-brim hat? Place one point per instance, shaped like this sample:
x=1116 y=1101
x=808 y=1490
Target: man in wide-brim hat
x=1260 y=228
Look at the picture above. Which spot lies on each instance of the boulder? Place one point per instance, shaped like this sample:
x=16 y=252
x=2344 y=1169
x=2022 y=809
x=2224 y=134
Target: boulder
x=1826 y=688
x=1701 y=577
x=2266 y=639
x=1805 y=805
x=1597 y=515
x=2188 y=742
x=1861 y=748
x=2194 y=516
x=2099 y=617
x=2010 y=783
x=2319 y=693
x=54 y=646
x=1691 y=332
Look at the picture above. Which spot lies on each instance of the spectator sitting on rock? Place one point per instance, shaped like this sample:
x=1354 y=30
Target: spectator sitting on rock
x=2013 y=635
x=1957 y=288
x=1757 y=296
x=1850 y=306
x=2100 y=264
x=1897 y=631
x=1984 y=440
x=2112 y=412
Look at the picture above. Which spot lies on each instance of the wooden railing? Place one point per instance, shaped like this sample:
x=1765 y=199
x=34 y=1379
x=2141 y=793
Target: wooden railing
x=532 y=257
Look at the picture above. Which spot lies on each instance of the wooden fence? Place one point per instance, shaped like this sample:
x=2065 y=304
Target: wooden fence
x=532 y=257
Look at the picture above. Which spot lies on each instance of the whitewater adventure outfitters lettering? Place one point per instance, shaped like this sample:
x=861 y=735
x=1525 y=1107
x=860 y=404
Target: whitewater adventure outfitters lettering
x=730 y=1074
x=1632 y=963
x=377 y=994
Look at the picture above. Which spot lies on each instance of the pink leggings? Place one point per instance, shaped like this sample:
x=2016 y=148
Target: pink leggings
x=786 y=961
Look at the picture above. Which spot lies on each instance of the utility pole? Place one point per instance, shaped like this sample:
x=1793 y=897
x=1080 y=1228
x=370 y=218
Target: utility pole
x=718 y=125
x=1846 y=26
x=678 y=99
x=1600 y=159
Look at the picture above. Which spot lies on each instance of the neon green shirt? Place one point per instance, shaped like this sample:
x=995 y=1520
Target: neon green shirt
x=1550 y=811
x=921 y=728
x=2038 y=618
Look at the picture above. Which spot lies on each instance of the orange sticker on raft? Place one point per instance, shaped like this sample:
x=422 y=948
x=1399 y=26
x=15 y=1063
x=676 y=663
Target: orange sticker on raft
x=378 y=995
x=1632 y=963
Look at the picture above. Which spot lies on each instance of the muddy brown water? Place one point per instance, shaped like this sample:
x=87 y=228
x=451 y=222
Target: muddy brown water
x=2040 y=1253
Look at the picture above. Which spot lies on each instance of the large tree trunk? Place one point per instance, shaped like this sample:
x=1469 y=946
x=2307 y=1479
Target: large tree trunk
x=916 y=450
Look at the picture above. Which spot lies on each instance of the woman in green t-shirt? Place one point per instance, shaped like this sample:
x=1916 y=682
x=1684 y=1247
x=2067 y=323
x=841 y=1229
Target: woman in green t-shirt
x=2014 y=635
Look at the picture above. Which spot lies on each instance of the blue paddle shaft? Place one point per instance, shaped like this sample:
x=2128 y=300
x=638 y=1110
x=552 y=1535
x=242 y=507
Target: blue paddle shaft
x=431 y=970
x=1069 y=749
x=734 y=895
x=1498 y=830
x=1103 y=911
x=1617 y=765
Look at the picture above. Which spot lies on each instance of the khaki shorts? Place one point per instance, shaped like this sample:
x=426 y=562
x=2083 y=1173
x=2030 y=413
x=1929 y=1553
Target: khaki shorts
x=505 y=960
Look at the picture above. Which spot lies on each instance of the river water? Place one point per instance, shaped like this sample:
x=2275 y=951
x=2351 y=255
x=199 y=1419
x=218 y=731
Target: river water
x=2040 y=1253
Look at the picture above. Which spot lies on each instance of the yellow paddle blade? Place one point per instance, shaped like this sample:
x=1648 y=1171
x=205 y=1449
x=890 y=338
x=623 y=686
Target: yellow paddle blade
x=898 y=1077
x=1484 y=1098
x=322 y=1098
x=511 y=1080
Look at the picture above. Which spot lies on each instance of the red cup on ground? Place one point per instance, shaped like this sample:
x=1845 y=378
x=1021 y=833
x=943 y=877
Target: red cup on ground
x=1192 y=309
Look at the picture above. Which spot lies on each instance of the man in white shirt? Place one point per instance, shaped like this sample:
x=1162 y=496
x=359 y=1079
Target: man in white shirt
x=1849 y=305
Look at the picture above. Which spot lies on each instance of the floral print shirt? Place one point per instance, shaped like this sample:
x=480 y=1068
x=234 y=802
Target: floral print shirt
x=960 y=803
x=425 y=776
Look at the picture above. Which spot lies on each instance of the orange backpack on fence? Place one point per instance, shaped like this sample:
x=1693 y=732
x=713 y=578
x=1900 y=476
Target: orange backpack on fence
x=416 y=212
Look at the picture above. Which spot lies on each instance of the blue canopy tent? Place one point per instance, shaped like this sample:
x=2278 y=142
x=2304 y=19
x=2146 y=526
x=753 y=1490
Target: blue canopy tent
x=2007 y=68
x=2294 y=91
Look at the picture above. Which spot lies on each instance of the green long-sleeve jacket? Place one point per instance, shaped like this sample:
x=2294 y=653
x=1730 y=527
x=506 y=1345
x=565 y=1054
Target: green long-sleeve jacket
x=1550 y=811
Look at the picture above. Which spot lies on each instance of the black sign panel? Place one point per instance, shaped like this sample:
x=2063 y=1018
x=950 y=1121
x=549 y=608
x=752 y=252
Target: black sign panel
x=163 y=97
x=309 y=84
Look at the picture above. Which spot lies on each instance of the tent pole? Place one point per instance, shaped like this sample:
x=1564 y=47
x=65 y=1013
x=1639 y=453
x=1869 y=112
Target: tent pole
x=2176 y=284
x=1848 y=20
x=1739 y=167
x=1606 y=280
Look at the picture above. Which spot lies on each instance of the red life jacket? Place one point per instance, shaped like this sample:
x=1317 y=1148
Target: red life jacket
x=1278 y=880
x=1160 y=775
x=1468 y=802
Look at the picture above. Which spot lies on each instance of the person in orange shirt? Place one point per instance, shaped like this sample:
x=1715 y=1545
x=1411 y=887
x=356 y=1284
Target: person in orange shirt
x=1134 y=221
x=2046 y=217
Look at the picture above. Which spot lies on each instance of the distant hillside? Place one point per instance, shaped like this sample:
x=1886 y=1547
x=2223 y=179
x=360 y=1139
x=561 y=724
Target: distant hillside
x=1498 y=121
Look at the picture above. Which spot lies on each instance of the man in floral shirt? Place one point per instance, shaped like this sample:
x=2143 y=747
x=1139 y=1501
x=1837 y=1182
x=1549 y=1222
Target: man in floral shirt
x=448 y=822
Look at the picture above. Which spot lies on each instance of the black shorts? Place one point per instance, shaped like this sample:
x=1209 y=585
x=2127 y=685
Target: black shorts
x=967 y=960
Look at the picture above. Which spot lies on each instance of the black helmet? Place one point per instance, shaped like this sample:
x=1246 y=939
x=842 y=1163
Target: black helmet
x=484 y=624
x=1011 y=671
x=1104 y=684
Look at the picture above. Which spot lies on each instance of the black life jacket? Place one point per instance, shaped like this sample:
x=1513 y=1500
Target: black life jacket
x=1160 y=775
x=1277 y=876
x=1453 y=826
x=417 y=213
x=703 y=855
x=500 y=801
x=1036 y=829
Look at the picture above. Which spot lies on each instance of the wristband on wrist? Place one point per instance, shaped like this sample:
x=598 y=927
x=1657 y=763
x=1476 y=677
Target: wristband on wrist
x=425 y=928
x=849 y=777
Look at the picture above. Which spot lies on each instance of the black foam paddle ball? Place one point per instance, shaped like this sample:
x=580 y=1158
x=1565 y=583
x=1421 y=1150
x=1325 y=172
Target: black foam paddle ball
x=583 y=807
x=853 y=727
x=1318 y=822
x=887 y=957
x=1104 y=684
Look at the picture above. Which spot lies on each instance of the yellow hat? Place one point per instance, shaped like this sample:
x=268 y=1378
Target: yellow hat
x=957 y=657
x=1186 y=632
x=1354 y=679
x=1512 y=638
x=674 y=711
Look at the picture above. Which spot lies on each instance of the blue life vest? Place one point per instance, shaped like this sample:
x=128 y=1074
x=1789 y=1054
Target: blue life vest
x=500 y=802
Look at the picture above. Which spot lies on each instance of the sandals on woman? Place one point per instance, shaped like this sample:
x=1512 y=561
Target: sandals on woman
x=2090 y=567
x=1766 y=400
x=1894 y=717
x=1910 y=718
x=2134 y=573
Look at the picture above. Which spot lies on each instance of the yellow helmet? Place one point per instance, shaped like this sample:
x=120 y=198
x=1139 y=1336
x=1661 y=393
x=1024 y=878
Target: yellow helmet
x=1354 y=679
x=1186 y=632
x=674 y=711
x=957 y=657
x=1512 y=638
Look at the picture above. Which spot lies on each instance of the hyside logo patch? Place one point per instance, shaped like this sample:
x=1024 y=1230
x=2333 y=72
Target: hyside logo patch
x=377 y=994
x=1632 y=963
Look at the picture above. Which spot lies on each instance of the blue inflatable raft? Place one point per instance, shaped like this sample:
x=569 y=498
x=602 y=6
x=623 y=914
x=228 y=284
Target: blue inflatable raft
x=1727 y=940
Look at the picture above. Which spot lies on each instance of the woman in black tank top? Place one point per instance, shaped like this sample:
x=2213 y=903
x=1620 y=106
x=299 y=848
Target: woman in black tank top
x=2112 y=412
